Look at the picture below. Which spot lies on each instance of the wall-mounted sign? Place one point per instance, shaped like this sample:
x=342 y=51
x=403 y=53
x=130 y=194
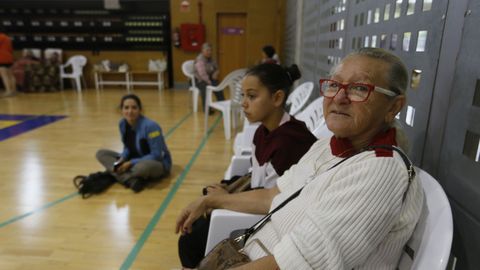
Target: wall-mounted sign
x=233 y=31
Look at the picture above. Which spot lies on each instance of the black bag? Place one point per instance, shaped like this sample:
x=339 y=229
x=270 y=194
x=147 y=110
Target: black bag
x=94 y=183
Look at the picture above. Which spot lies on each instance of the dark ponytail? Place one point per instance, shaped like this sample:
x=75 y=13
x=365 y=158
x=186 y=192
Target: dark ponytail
x=275 y=77
x=293 y=73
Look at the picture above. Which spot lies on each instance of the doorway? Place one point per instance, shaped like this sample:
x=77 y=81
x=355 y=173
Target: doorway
x=232 y=41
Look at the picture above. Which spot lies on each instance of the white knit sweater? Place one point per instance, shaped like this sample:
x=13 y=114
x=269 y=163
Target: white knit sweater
x=349 y=217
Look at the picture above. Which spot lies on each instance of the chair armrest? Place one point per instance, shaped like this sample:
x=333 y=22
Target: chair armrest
x=216 y=88
x=223 y=222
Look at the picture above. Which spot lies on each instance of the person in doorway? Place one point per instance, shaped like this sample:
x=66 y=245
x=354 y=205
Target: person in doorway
x=357 y=202
x=6 y=62
x=145 y=155
x=279 y=142
x=206 y=73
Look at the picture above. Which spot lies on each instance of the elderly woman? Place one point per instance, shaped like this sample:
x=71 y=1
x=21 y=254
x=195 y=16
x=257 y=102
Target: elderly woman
x=206 y=72
x=357 y=208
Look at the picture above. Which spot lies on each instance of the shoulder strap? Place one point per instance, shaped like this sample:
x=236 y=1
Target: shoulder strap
x=406 y=160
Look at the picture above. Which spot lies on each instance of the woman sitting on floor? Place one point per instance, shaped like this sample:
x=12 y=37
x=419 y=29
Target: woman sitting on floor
x=145 y=155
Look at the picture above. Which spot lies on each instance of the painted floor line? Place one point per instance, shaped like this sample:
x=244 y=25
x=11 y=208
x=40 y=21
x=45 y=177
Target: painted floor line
x=177 y=125
x=156 y=217
x=48 y=205
x=73 y=195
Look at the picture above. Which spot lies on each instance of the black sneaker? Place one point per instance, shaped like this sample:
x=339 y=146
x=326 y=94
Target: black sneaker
x=137 y=184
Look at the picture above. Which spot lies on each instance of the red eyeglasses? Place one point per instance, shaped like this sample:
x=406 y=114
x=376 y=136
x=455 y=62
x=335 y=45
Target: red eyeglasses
x=355 y=92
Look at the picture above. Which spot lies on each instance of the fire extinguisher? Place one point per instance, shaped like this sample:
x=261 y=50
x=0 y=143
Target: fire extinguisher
x=176 y=37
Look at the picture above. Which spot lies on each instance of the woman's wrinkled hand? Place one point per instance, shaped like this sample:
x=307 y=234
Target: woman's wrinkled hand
x=189 y=214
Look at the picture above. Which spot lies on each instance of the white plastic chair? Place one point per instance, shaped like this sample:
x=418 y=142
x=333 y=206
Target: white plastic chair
x=188 y=70
x=223 y=222
x=312 y=115
x=241 y=162
x=230 y=107
x=432 y=238
x=77 y=63
x=239 y=165
x=299 y=97
x=244 y=139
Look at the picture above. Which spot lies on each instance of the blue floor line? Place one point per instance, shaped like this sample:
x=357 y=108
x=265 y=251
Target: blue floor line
x=73 y=195
x=156 y=217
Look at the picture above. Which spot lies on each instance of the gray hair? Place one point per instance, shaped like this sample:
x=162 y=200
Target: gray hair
x=206 y=45
x=397 y=76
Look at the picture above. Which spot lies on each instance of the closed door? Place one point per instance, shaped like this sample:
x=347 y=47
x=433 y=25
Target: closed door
x=232 y=42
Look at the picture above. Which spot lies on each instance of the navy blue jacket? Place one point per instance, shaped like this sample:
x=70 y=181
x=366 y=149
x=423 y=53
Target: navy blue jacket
x=149 y=142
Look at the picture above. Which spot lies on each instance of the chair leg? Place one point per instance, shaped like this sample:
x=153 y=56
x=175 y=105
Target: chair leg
x=61 y=83
x=226 y=123
x=195 y=100
x=78 y=84
x=207 y=107
x=208 y=99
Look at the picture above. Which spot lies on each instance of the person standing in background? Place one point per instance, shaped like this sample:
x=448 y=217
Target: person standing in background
x=206 y=73
x=6 y=62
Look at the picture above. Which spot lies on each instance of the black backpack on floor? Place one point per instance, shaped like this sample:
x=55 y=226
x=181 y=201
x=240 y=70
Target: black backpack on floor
x=94 y=183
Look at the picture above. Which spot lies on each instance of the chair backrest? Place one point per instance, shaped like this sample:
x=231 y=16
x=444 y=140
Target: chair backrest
x=433 y=245
x=188 y=70
x=299 y=97
x=77 y=62
x=236 y=93
x=234 y=81
x=312 y=115
x=232 y=78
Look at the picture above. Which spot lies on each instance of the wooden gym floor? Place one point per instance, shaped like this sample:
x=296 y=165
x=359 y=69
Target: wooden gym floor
x=48 y=138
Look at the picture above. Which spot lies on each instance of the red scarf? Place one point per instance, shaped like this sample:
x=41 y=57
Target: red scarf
x=342 y=147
